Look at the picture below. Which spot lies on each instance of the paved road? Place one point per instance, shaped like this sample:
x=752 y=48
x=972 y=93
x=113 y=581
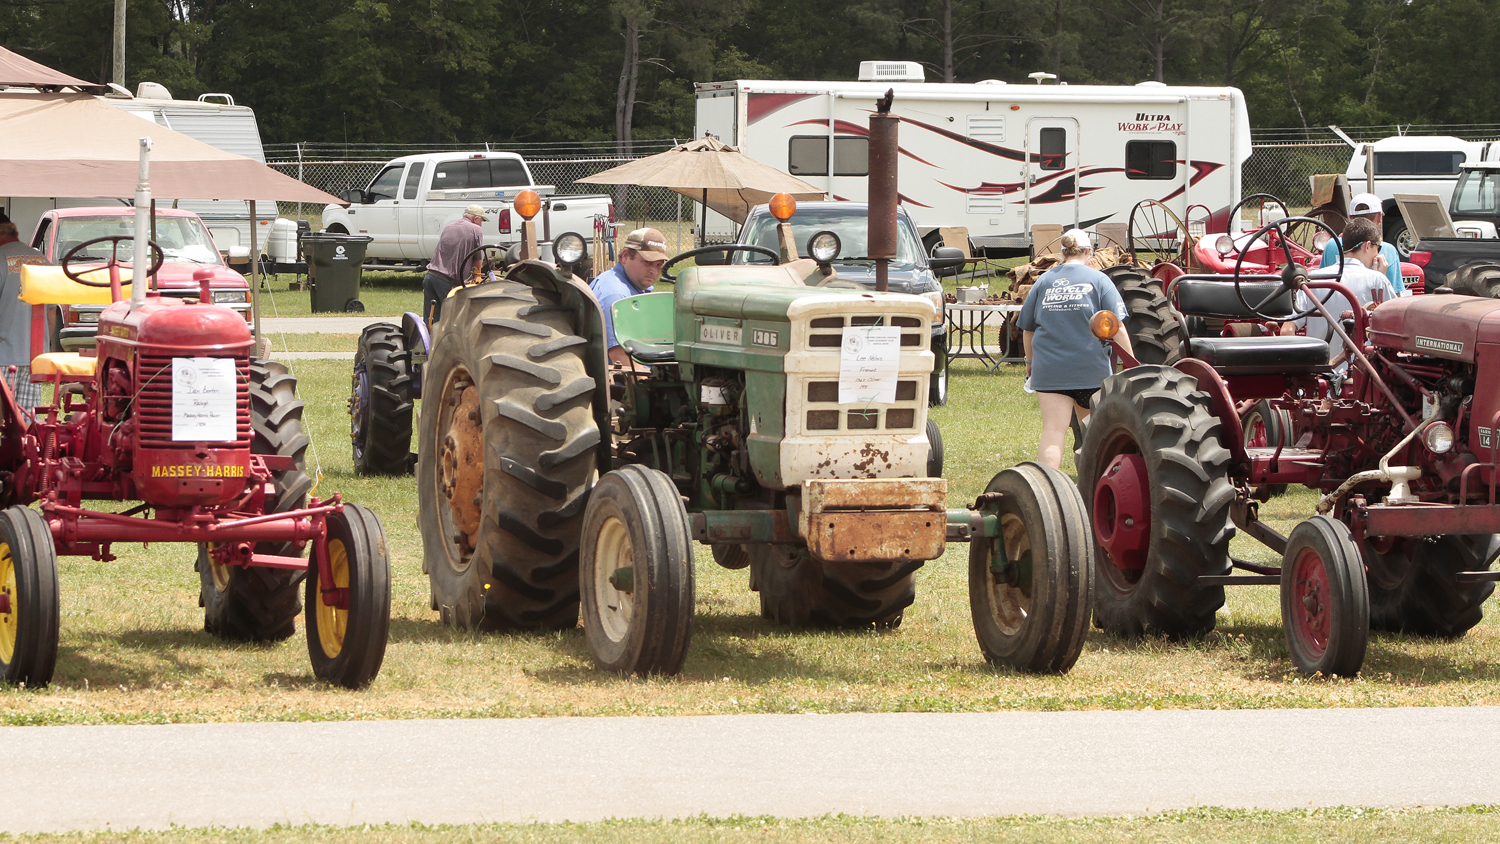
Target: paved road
x=1072 y=763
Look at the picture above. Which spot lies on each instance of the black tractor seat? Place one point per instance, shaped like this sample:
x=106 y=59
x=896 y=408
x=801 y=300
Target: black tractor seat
x=1270 y=355
x=650 y=353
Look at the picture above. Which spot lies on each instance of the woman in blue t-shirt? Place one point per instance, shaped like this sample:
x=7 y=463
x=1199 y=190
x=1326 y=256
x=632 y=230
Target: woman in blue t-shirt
x=1065 y=362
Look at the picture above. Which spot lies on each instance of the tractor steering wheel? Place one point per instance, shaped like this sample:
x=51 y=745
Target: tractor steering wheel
x=1289 y=272
x=728 y=247
x=114 y=258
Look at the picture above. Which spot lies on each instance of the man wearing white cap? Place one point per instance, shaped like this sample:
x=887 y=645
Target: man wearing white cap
x=641 y=260
x=458 y=241
x=1367 y=206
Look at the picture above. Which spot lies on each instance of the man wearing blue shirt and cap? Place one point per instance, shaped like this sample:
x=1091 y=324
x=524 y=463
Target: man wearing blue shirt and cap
x=1366 y=206
x=641 y=260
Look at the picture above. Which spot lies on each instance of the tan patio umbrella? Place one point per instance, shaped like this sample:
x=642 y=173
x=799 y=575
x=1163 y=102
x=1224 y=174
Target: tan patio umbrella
x=711 y=172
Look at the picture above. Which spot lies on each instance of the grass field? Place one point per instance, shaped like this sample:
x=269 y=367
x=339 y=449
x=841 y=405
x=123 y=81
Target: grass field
x=1323 y=826
x=133 y=650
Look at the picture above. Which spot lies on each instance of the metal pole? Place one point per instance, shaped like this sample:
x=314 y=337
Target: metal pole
x=119 y=74
x=882 y=193
x=254 y=276
x=141 y=257
x=1369 y=169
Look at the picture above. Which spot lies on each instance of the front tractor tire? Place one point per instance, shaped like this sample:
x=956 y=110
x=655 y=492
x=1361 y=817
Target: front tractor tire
x=255 y=604
x=636 y=573
x=348 y=628
x=1155 y=477
x=30 y=613
x=799 y=590
x=506 y=449
x=1152 y=325
x=1031 y=588
x=380 y=402
x=1325 y=605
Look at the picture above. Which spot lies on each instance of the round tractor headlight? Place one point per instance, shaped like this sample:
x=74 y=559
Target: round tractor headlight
x=569 y=248
x=1321 y=239
x=1224 y=245
x=1438 y=438
x=824 y=246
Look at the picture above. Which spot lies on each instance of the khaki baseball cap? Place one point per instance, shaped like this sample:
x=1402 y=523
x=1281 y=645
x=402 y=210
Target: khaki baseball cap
x=649 y=243
x=475 y=211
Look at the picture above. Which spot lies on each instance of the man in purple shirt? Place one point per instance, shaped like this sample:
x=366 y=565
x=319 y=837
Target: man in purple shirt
x=459 y=240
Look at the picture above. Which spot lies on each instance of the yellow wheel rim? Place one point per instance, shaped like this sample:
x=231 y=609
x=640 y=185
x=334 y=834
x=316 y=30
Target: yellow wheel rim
x=612 y=551
x=8 y=622
x=220 y=573
x=332 y=621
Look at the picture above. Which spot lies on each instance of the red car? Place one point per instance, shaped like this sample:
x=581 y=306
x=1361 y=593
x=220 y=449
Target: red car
x=184 y=240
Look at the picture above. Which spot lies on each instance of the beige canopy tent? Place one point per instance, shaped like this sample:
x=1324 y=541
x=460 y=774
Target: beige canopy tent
x=17 y=70
x=77 y=145
x=711 y=172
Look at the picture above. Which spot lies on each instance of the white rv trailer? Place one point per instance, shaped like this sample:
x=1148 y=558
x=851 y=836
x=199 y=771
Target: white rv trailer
x=994 y=157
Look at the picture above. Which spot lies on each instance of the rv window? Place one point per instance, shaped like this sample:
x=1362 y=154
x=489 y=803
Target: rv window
x=1053 y=148
x=387 y=184
x=413 y=179
x=807 y=155
x=1418 y=163
x=1150 y=160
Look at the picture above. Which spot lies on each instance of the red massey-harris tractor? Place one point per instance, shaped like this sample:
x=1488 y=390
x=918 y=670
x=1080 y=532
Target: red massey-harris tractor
x=173 y=414
x=1402 y=445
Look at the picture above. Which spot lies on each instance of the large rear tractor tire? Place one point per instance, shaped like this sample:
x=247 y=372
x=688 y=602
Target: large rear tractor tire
x=1413 y=589
x=380 y=402
x=1032 y=614
x=801 y=591
x=30 y=613
x=1155 y=477
x=1152 y=326
x=346 y=637
x=506 y=450
x=1265 y=426
x=261 y=604
x=636 y=573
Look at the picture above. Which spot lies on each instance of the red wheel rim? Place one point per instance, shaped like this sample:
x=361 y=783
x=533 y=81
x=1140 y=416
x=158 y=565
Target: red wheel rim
x=1122 y=513
x=1312 y=618
x=1255 y=433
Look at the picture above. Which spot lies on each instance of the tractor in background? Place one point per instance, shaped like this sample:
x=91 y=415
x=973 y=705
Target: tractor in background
x=172 y=412
x=1402 y=446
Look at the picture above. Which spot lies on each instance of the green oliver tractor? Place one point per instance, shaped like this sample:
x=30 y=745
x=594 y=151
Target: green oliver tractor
x=548 y=479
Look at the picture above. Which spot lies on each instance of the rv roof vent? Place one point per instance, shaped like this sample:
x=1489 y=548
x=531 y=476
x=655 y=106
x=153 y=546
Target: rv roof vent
x=891 y=72
x=152 y=91
x=990 y=82
x=1150 y=83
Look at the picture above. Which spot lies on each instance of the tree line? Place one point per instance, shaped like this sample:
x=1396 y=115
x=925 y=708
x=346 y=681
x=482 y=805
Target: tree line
x=452 y=71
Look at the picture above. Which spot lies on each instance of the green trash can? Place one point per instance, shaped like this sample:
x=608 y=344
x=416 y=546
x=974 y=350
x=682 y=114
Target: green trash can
x=335 y=263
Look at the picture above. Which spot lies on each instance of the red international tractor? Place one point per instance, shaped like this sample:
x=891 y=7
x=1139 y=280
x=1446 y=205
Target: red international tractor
x=172 y=415
x=1403 y=446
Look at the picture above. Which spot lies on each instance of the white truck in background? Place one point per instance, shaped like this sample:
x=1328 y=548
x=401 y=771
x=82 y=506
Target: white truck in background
x=1419 y=164
x=411 y=199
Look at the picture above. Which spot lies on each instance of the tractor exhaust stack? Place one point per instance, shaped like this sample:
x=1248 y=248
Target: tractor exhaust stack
x=142 y=247
x=883 y=191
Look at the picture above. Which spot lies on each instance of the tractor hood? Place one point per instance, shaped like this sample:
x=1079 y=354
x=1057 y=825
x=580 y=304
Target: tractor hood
x=1444 y=326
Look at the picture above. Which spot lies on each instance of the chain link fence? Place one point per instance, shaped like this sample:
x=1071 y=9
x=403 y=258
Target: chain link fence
x=1280 y=163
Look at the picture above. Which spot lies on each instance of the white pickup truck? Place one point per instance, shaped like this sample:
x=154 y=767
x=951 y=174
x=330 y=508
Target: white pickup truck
x=411 y=199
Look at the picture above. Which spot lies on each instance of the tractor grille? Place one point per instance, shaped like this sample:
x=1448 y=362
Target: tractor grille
x=154 y=403
x=824 y=413
x=827 y=333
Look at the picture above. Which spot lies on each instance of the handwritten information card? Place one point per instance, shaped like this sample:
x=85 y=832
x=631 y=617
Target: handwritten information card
x=868 y=364
x=203 y=393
